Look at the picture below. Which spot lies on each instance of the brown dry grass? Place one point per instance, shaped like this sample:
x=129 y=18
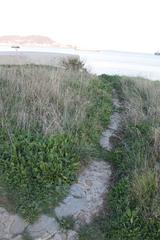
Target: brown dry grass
x=43 y=98
x=142 y=99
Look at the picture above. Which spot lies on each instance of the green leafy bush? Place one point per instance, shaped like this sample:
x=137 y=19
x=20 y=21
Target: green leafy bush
x=34 y=168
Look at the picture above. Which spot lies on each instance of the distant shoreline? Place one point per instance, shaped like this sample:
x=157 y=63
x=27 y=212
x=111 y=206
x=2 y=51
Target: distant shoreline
x=23 y=48
x=109 y=62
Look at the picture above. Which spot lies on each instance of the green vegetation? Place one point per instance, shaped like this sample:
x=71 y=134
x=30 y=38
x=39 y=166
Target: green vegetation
x=67 y=223
x=50 y=125
x=133 y=209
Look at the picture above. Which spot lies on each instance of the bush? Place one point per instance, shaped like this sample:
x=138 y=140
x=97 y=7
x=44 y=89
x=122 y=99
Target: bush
x=34 y=168
x=73 y=63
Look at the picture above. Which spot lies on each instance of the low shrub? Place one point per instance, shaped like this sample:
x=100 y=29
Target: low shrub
x=33 y=167
x=73 y=63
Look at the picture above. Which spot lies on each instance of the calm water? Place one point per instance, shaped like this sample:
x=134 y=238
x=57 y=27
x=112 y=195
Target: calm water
x=110 y=62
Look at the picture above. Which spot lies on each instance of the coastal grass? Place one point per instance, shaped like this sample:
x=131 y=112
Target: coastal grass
x=51 y=121
x=133 y=203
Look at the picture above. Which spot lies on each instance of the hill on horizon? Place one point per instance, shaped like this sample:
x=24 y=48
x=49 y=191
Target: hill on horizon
x=31 y=40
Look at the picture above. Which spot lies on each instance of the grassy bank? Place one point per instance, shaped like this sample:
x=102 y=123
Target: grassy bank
x=132 y=207
x=50 y=125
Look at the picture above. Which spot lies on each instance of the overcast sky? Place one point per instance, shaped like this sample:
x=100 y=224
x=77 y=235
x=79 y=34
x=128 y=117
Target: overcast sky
x=129 y=25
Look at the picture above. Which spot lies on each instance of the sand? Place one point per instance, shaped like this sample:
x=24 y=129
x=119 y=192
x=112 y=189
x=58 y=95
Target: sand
x=42 y=58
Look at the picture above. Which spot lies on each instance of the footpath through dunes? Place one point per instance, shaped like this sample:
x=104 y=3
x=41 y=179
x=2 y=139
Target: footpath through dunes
x=84 y=201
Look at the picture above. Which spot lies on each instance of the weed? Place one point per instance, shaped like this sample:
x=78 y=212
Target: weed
x=67 y=223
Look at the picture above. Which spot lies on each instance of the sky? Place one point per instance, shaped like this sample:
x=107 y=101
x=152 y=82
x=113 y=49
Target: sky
x=124 y=25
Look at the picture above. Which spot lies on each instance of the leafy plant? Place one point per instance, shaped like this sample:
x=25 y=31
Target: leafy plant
x=67 y=223
x=34 y=169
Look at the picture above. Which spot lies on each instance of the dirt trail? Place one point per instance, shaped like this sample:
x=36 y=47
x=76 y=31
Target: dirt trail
x=84 y=201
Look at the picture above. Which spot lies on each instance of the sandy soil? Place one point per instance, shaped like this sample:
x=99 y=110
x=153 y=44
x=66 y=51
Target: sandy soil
x=32 y=58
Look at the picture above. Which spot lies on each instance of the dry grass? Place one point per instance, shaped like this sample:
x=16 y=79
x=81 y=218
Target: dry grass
x=145 y=189
x=142 y=100
x=43 y=98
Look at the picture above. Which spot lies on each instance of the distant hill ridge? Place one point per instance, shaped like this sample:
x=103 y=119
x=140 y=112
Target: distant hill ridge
x=31 y=40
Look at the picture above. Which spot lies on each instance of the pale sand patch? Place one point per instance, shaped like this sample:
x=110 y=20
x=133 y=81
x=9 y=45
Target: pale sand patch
x=41 y=58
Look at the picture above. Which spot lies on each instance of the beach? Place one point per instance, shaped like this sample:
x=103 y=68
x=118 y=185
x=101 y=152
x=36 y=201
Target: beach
x=27 y=57
x=97 y=62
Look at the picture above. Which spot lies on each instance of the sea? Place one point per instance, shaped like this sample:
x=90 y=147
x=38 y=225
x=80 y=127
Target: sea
x=146 y=65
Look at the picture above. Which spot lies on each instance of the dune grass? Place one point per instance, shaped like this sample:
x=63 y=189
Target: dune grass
x=133 y=204
x=50 y=124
